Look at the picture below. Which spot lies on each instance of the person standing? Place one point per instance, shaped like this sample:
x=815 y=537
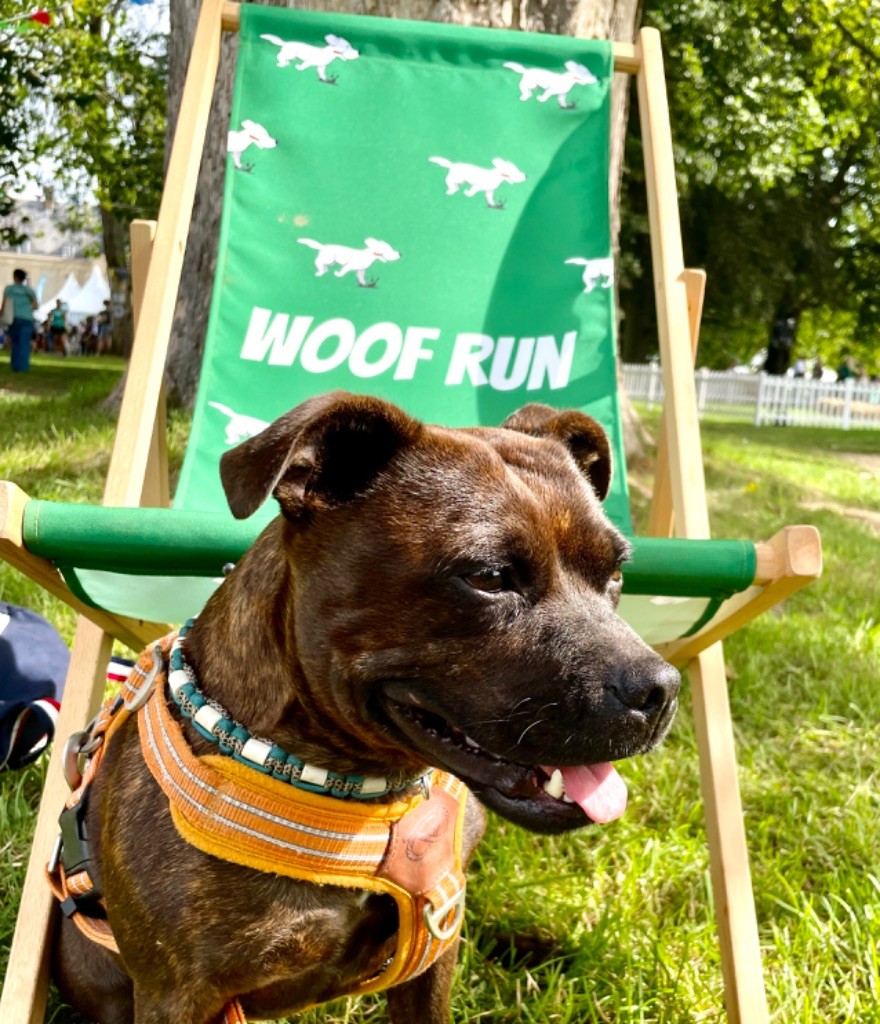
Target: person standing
x=21 y=331
x=58 y=328
x=780 y=346
x=104 y=323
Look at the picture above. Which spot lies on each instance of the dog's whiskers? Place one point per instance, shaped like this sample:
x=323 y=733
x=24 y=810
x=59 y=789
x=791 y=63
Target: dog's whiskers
x=551 y=704
x=488 y=721
x=532 y=726
x=500 y=721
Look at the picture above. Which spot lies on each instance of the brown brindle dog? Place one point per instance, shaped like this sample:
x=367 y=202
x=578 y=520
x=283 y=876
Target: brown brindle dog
x=427 y=597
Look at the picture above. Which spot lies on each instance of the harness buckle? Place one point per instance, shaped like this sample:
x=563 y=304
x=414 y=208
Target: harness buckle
x=434 y=918
x=142 y=692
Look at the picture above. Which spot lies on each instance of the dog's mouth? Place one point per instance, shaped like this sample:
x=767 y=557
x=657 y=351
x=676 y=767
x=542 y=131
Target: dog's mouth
x=541 y=797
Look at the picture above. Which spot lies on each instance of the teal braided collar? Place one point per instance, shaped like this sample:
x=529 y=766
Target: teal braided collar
x=215 y=724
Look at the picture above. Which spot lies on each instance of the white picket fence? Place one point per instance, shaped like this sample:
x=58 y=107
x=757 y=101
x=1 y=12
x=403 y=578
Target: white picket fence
x=765 y=399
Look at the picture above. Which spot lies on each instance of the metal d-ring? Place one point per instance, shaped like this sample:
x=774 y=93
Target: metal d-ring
x=434 y=918
x=74 y=749
x=79 y=744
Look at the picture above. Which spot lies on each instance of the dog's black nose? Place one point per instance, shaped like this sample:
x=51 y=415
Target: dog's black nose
x=647 y=686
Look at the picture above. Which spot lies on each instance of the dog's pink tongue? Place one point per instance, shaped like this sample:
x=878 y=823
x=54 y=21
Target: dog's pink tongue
x=597 y=788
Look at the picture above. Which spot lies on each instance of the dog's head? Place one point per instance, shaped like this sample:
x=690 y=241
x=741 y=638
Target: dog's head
x=581 y=74
x=455 y=595
x=341 y=48
x=509 y=171
x=258 y=135
x=381 y=250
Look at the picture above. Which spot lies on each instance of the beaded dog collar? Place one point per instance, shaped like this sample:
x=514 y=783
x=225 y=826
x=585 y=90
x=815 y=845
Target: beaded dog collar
x=217 y=726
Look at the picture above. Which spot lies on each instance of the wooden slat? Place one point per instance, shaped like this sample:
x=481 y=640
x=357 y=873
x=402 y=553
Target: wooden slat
x=231 y=16
x=729 y=859
x=156 y=492
x=141 y=235
x=128 y=462
x=626 y=56
x=683 y=428
x=661 y=519
x=25 y=988
x=728 y=856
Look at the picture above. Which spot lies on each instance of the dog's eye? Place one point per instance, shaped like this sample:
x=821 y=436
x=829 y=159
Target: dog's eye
x=615 y=580
x=489 y=581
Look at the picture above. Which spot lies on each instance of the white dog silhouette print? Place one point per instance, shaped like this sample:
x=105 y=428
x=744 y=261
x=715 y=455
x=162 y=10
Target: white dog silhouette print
x=310 y=56
x=239 y=427
x=595 y=271
x=351 y=260
x=552 y=83
x=250 y=134
x=480 y=179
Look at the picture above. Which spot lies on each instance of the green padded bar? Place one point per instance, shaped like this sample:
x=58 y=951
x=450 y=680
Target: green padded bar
x=149 y=541
x=174 y=542
x=689 y=568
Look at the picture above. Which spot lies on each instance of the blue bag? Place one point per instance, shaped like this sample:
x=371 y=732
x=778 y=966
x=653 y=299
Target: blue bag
x=33 y=666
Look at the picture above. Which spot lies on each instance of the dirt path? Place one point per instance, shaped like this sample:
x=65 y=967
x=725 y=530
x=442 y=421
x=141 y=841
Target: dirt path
x=850 y=511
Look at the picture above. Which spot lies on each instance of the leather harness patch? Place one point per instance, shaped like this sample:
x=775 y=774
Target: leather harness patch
x=422 y=844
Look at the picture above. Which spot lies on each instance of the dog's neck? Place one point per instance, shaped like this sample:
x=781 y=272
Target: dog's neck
x=242 y=648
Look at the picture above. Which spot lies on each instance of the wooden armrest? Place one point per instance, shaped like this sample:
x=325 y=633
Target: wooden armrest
x=795 y=552
x=12 y=502
x=136 y=633
x=787 y=562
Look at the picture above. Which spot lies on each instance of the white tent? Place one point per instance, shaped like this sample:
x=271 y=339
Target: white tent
x=69 y=290
x=90 y=298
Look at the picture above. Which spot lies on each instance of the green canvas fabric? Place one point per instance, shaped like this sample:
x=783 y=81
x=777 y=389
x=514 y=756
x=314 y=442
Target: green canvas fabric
x=414 y=211
x=398 y=220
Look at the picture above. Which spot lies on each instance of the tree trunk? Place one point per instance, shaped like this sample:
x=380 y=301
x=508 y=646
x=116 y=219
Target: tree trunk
x=615 y=19
x=114 y=234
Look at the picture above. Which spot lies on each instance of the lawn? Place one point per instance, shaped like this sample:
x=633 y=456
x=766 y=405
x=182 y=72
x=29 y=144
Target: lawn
x=615 y=924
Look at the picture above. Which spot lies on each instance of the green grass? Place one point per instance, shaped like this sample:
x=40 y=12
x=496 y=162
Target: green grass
x=620 y=917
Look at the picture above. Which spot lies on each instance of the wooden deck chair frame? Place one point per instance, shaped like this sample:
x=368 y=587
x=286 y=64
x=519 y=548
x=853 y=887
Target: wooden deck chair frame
x=138 y=475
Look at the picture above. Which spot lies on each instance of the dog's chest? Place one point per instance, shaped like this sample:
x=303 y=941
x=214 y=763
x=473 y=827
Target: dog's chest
x=315 y=953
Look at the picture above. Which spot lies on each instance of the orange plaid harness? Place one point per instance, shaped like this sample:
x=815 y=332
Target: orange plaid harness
x=409 y=848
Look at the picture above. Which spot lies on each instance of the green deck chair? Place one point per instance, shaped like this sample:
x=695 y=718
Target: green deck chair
x=420 y=212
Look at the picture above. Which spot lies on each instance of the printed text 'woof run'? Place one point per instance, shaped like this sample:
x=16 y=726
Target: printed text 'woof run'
x=504 y=363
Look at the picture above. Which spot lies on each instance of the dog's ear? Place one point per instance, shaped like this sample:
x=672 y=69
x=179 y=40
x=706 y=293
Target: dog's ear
x=582 y=435
x=320 y=454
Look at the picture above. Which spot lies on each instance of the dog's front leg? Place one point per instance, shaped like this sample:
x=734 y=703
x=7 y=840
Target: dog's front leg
x=426 y=998
x=177 y=1007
